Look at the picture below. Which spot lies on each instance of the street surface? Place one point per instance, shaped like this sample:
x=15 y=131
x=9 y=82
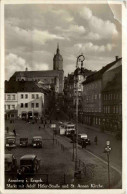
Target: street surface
x=58 y=162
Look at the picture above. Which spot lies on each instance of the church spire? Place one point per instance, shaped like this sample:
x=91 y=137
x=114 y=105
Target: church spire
x=58 y=50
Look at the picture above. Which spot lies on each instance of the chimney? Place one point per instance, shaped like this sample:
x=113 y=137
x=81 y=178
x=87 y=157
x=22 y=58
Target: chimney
x=117 y=57
x=26 y=69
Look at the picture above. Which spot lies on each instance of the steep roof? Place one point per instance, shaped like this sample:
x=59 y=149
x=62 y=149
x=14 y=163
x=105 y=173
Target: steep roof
x=115 y=84
x=98 y=75
x=22 y=86
x=33 y=74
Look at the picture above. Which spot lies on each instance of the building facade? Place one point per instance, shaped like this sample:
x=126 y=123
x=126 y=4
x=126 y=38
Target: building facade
x=23 y=99
x=11 y=105
x=92 y=93
x=112 y=104
x=72 y=85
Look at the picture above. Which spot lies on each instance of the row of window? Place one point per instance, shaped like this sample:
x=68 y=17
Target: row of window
x=33 y=96
x=92 y=97
x=89 y=109
x=10 y=97
x=115 y=96
x=25 y=105
x=116 y=109
x=95 y=121
x=33 y=105
x=9 y=107
x=22 y=96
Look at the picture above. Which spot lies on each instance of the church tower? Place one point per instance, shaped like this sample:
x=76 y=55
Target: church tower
x=57 y=60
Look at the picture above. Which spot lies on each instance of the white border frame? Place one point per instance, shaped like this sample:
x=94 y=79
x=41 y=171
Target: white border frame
x=124 y=93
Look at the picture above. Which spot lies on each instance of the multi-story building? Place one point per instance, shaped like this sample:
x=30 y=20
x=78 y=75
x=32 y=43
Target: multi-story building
x=50 y=78
x=70 y=90
x=11 y=103
x=92 y=93
x=25 y=99
x=112 y=103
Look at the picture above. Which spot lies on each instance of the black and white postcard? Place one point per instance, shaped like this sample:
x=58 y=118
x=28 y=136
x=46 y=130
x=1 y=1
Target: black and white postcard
x=62 y=116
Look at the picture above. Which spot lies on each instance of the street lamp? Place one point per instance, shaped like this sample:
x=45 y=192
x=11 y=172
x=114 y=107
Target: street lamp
x=107 y=150
x=77 y=73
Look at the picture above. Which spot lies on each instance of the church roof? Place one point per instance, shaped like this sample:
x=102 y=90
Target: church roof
x=33 y=74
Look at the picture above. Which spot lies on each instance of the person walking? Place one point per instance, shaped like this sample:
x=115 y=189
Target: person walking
x=7 y=129
x=96 y=140
x=14 y=131
x=83 y=144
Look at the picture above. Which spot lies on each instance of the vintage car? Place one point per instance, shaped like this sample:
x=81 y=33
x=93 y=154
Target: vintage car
x=37 y=141
x=29 y=163
x=24 y=142
x=10 y=142
x=10 y=163
x=83 y=137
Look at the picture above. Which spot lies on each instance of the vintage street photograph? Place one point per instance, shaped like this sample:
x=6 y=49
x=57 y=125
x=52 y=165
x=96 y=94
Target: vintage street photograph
x=63 y=96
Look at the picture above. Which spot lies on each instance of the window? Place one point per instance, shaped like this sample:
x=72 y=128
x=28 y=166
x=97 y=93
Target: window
x=108 y=109
x=32 y=96
x=37 y=96
x=13 y=106
x=99 y=121
x=95 y=96
x=26 y=95
x=99 y=109
x=8 y=107
x=26 y=105
x=13 y=97
x=22 y=96
x=117 y=109
x=32 y=105
x=114 y=109
x=21 y=105
x=37 y=105
x=8 y=97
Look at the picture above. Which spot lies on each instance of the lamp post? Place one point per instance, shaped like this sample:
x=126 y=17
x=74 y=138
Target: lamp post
x=107 y=150
x=78 y=70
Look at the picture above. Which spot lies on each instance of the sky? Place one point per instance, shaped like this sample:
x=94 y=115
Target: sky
x=32 y=33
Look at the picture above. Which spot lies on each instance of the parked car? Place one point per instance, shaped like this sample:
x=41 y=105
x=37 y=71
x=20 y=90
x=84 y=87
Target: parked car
x=24 y=142
x=10 y=163
x=10 y=142
x=37 y=141
x=83 y=137
x=29 y=163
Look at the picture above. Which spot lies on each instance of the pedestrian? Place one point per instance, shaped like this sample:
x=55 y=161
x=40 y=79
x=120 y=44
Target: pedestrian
x=96 y=140
x=44 y=125
x=7 y=129
x=39 y=127
x=14 y=131
x=83 y=144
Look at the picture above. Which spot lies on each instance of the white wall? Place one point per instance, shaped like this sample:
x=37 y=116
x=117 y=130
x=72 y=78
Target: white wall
x=29 y=100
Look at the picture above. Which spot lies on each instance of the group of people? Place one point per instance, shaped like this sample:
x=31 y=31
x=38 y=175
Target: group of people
x=14 y=130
